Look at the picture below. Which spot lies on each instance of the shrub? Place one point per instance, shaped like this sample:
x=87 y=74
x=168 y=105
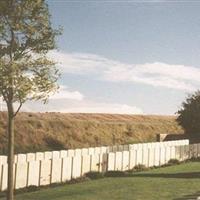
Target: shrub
x=140 y=167
x=115 y=174
x=94 y=175
x=173 y=162
x=189 y=114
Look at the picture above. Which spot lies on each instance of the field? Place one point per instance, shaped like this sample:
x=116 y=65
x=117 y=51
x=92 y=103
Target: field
x=170 y=183
x=51 y=131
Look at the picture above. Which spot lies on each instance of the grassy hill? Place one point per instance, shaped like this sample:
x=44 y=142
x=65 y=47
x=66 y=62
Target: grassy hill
x=48 y=131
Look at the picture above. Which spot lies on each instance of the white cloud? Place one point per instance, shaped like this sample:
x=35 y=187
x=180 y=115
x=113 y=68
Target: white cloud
x=156 y=74
x=70 y=106
x=63 y=93
x=104 y=108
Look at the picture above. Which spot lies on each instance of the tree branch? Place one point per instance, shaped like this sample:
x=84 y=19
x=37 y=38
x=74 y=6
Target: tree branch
x=18 y=109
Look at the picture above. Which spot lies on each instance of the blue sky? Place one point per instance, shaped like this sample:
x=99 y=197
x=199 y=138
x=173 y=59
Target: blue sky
x=125 y=57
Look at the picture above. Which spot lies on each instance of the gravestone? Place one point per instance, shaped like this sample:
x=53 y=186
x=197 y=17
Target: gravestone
x=67 y=169
x=33 y=173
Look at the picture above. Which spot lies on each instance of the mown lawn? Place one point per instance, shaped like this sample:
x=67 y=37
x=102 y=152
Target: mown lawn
x=167 y=183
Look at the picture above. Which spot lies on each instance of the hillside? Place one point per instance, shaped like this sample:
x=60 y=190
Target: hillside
x=47 y=131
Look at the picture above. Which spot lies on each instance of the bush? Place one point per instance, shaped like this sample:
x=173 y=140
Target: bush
x=189 y=114
x=94 y=175
x=115 y=174
x=140 y=167
x=173 y=162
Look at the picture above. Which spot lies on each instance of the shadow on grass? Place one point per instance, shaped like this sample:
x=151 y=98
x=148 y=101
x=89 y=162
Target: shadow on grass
x=189 y=197
x=185 y=175
x=190 y=175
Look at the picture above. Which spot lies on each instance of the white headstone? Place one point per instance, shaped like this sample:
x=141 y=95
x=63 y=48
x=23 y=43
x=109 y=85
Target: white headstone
x=162 y=156
x=3 y=160
x=178 y=152
x=132 y=159
x=21 y=158
x=156 y=156
x=95 y=162
x=111 y=161
x=33 y=173
x=63 y=153
x=55 y=154
x=125 y=160
x=67 y=169
x=56 y=170
x=198 y=147
x=30 y=157
x=131 y=147
x=86 y=164
x=114 y=149
x=91 y=151
x=104 y=150
x=103 y=162
x=145 y=155
x=84 y=151
x=126 y=147
x=71 y=153
x=21 y=175
x=151 y=154
x=118 y=161
x=97 y=150
x=110 y=149
x=76 y=166
x=120 y=148
x=149 y=145
x=167 y=154
x=48 y=155
x=195 y=150
x=4 y=177
x=139 y=156
x=172 y=152
x=78 y=152
x=39 y=156
x=45 y=172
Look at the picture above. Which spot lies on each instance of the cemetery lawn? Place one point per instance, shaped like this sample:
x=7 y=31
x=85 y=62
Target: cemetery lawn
x=174 y=182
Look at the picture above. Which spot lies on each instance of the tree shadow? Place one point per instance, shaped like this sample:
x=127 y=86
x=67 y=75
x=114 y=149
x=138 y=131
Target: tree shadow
x=189 y=197
x=184 y=175
x=189 y=175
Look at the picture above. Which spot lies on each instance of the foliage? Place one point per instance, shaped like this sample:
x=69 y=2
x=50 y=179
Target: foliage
x=26 y=73
x=140 y=167
x=94 y=175
x=173 y=162
x=189 y=114
x=26 y=36
x=115 y=174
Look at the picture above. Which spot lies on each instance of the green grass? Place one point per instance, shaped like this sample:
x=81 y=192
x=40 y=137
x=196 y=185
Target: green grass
x=167 y=183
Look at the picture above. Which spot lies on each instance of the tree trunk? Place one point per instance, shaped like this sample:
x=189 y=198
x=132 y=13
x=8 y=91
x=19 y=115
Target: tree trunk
x=10 y=189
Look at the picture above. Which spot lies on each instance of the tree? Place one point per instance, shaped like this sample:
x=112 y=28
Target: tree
x=189 y=114
x=26 y=73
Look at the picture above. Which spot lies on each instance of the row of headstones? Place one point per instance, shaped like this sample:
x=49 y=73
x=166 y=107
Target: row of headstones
x=88 y=151
x=150 y=157
x=57 y=170
x=45 y=172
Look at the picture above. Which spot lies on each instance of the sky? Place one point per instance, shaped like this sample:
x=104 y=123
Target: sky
x=126 y=57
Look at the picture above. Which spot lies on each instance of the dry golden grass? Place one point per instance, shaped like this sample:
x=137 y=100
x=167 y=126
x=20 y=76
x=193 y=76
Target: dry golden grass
x=48 y=131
